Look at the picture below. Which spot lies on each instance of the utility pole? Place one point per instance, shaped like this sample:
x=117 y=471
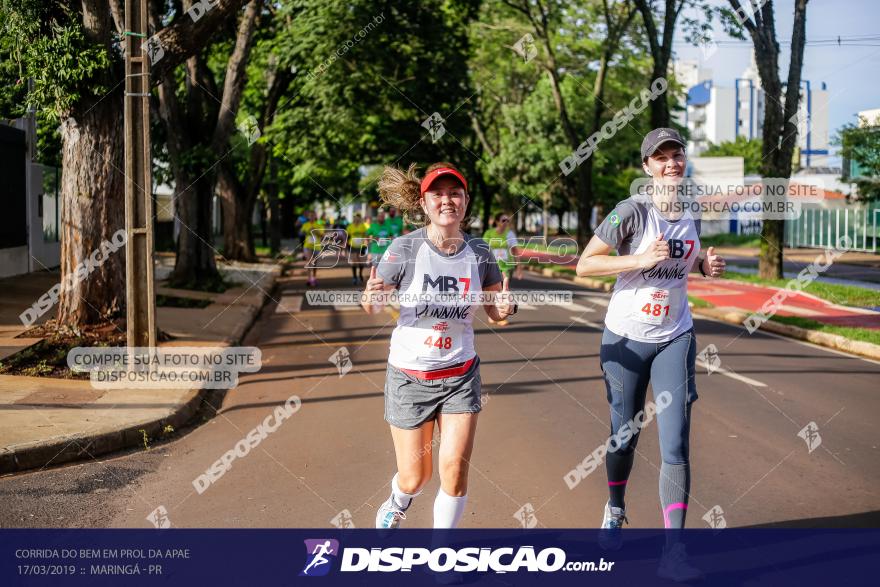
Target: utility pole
x=139 y=290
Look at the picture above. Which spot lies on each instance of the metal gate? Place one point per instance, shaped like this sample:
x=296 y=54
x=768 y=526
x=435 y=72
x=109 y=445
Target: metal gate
x=823 y=227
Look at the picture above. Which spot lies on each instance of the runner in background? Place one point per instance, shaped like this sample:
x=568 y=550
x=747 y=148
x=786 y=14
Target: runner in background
x=300 y=221
x=395 y=222
x=505 y=247
x=313 y=232
x=379 y=234
x=357 y=248
x=649 y=337
x=433 y=374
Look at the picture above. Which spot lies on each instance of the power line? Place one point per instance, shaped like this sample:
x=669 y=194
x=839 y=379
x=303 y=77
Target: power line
x=839 y=40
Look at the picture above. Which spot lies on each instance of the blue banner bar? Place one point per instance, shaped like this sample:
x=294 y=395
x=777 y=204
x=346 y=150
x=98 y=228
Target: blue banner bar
x=732 y=556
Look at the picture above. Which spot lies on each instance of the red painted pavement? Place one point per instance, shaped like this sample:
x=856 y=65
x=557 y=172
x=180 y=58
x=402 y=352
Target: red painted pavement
x=725 y=293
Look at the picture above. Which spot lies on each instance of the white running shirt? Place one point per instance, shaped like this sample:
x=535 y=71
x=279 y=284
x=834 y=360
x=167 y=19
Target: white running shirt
x=431 y=335
x=650 y=305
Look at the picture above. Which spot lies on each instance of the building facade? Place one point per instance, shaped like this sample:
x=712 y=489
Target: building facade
x=716 y=111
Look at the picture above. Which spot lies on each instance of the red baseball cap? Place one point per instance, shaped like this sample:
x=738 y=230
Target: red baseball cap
x=440 y=171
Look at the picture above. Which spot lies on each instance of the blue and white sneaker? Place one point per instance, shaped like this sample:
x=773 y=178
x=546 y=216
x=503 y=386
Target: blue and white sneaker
x=610 y=535
x=389 y=515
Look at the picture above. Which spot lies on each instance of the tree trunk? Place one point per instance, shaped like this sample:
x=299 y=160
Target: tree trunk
x=237 y=212
x=660 y=107
x=660 y=45
x=487 y=201
x=195 y=264
x=779 y=131
x=273 y=208
x=92 y=209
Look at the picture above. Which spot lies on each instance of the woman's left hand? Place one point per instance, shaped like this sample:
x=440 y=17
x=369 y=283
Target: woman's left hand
x=713 y=264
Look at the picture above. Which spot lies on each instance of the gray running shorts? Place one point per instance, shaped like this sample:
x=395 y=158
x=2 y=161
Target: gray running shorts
x=410 y=401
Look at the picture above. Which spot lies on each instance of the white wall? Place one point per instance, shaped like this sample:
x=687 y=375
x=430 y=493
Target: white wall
x=13 y=261
x=719 y=116
x=43 y=255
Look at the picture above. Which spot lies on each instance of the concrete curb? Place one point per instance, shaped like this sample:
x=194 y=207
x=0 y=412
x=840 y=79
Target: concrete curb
x=76 y=447
x=737 y=317
x=832 y=341
x=79 y=446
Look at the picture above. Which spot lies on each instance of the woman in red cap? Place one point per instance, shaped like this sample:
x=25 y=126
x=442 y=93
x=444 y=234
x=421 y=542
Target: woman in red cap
x=433 y=370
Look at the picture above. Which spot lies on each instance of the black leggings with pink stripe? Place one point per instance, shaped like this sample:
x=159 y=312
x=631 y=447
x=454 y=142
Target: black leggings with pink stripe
x=669 y=367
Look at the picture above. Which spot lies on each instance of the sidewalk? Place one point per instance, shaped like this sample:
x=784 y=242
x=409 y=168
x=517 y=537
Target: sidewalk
x=47 y=421
x=730 y=295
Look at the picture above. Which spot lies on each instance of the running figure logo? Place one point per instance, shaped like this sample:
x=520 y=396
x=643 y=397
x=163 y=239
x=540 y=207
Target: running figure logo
x=343 y=520
x=810 y=434
x=159 y=517
x=715 y=518
x=526 y=47
x=434 y=124
x=526 y=516
x=342 y=359
x=709 y=357
x=320 y=553
x=332 y=247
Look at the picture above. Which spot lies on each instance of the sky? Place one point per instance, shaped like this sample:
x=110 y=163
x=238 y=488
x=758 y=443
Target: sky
x=852 y=74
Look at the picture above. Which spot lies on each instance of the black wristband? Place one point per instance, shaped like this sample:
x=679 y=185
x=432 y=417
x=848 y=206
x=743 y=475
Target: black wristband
x=700 y=267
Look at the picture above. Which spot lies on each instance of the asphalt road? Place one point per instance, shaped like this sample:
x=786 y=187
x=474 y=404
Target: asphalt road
x=545 y=411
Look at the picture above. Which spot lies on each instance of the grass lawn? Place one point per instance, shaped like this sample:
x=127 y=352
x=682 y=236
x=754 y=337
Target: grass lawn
x=699 y=302
x=730 y=240
x=570 y=249
x=863 y=334
x=568 y=271
x=845 y=295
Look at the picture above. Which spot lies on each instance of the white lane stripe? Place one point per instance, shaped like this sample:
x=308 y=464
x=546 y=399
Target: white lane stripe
x=580 y=320
x=732 y=375
x=595 y=300
x=289 y=304
x=576 y=307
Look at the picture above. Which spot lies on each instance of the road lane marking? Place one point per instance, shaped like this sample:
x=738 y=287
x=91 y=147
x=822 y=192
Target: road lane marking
x=574 y=307
x=731 y=374
x=580 y=320
x=596 y=300
x=289 y=304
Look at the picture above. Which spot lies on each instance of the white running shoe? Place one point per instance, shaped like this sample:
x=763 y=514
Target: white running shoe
x=610 y=535
x=389 y=515
x=674 y=565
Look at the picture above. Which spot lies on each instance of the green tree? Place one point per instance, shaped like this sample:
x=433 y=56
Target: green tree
x=69 y=55
x=860 y=144
x=660 y=40
x=750 y=150
x=367 y=78
x=200 y=119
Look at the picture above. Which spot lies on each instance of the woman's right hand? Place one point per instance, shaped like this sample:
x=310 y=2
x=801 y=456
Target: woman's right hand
x=374 y=283
x=656 y=252
x=374 y=292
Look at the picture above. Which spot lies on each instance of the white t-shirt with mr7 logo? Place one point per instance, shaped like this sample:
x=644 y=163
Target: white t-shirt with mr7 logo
x=650 y=305
x=438 y=298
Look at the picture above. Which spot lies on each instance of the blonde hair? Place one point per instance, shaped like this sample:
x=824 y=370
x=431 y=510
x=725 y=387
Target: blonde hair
x=402 y=189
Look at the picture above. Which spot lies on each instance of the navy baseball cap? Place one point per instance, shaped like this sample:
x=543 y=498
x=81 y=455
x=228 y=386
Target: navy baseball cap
x=657 y=137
